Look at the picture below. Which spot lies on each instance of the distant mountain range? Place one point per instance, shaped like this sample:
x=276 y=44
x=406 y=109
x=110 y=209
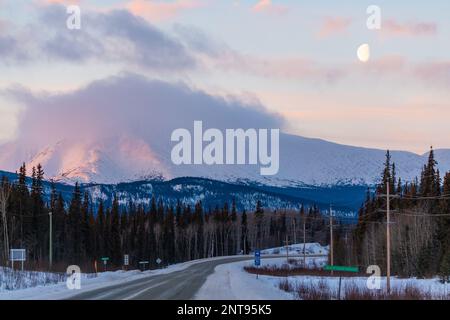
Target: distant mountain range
x=312 y=171
x=346 y=199
x=303 y=162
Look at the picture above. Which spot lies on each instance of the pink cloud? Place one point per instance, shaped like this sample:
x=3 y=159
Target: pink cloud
x=391 y=64
x=156 y=10
x=438 y=71
x=65 y=2
x=3 y=26
x=395 y=29
x=334 y=25
x=285 y=68
x=269 y=7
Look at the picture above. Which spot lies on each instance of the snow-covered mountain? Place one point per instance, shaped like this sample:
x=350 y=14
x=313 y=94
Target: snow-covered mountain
x=121 y=158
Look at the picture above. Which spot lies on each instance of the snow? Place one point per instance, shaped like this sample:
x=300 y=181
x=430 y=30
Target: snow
x=432 y=286
x=310 y=248
x=45 y=291
x=16 y=279
x=303 y=161
x=230 y=282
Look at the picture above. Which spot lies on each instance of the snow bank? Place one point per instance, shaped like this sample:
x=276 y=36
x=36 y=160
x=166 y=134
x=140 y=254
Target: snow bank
x=16 y=279
x=310 y=248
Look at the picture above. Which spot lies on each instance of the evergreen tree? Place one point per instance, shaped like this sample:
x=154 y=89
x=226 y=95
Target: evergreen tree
x=116 y=250
x=244 y=233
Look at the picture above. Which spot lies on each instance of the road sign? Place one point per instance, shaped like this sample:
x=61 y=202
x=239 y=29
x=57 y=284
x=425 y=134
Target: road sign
x=17 y=255
x=341 y=268
x=105 y=262
x=126 y=260
x=158 y=261
x=257 y=257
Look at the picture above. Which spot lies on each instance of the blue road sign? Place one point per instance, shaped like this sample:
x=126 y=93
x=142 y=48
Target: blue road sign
x=257 y=258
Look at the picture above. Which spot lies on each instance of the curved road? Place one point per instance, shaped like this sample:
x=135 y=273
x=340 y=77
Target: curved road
x=177 y=285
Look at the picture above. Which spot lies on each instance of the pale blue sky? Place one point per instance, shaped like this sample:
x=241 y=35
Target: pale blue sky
x=297 y=57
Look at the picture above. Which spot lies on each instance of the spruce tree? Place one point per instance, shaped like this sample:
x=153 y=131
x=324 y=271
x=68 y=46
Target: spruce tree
x=244 y=233
x=115 y=250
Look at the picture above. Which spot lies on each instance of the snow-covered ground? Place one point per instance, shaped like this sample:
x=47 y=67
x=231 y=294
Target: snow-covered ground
x=310 y=248
x=232 y=282
x=229 y=281
x=433 y=287
x=16 y=279
x=45 y=290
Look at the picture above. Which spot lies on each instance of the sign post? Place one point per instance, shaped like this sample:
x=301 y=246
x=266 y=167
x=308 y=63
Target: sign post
x=105 y=262
x=342 y=269
x=126 y=261
x=17 y=255
x=257 y=260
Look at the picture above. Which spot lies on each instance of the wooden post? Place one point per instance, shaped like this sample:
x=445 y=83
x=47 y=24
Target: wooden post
x=388 y=241
x=331 y=239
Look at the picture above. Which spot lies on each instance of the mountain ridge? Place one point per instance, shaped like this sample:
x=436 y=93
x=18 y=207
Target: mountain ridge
x=303 y=162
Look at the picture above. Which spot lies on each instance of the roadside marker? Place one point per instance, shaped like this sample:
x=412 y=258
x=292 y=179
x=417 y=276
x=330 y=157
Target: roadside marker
x=343 y=269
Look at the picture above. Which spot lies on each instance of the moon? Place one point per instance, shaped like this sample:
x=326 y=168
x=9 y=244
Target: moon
x=363 y=52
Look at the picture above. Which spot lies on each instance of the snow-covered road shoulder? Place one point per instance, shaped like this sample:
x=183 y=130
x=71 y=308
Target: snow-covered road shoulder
x=231 y=282
x=60 y=291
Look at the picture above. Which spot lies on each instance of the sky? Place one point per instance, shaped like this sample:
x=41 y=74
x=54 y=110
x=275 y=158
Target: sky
x=294 y=60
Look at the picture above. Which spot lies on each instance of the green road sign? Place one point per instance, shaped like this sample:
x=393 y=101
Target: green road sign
x=104 y=258
x=341 y=268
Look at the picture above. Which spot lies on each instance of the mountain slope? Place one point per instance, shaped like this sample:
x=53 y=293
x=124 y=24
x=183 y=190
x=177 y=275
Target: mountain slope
x=213 y=193
x=122 y=158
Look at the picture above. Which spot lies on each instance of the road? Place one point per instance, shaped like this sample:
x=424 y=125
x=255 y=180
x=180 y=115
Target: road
x=177 y=285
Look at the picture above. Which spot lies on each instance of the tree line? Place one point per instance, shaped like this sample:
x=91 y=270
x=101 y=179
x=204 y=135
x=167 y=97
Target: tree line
x=83 y=233
x=420 y=225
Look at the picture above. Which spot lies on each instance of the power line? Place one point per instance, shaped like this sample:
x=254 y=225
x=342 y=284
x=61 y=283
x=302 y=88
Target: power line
x=422 y=214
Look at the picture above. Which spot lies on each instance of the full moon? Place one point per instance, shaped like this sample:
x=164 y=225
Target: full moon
x=363 y=52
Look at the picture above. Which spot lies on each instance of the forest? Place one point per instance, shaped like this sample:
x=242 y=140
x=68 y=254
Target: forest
x=83 y=233
x=419 y=225
x=173 y=233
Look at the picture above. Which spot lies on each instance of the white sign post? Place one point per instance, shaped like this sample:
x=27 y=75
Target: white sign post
x=17 y=255
x=126 y=260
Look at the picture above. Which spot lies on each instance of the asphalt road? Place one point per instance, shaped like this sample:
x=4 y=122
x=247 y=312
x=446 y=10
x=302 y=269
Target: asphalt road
x=178 y=285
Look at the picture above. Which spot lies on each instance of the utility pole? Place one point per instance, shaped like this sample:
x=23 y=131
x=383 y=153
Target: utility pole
x=295 y=232
x=286 y=242
x=388 y=240
x=331 y=239
x=50 y=242
x=304 y=242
